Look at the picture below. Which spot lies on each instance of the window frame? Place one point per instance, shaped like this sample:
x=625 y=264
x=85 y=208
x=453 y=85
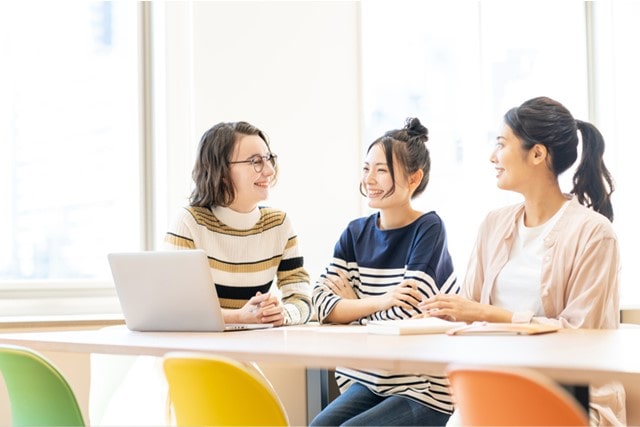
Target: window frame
x=95 y=300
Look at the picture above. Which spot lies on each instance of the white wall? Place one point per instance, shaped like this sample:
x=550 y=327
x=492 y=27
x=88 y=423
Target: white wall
x=290 y=68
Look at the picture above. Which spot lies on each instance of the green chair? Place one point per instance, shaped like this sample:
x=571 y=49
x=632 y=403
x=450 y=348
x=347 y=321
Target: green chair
x=38 y=393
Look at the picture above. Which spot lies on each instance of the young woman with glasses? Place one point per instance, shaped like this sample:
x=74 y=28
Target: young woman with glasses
x=248 y=245
x=383 y=265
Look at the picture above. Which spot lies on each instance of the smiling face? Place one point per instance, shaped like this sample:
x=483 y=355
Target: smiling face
x=511 y=160
x=377 y=181
x=251 y=187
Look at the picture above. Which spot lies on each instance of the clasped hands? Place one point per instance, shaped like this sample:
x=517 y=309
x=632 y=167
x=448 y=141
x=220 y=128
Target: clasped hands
x=406 y=295
x=263 y=308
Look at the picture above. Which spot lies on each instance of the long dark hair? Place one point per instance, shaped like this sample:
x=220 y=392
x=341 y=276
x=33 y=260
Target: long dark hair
x=409 y=145
x=211 y=172
x=545 y=121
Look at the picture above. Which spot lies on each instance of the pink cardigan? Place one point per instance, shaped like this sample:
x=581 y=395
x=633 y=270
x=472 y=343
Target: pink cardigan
x=579 y=283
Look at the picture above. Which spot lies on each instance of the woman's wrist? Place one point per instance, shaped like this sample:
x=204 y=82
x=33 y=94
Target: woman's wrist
x=522 y=316
x=500 y=315
x=231 y=315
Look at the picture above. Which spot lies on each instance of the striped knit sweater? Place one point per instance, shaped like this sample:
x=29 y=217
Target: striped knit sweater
x=376 y=260
x=246 y=252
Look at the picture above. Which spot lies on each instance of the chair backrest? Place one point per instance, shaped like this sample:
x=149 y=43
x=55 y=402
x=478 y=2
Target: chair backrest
x=214 y=390
x=486 y=396
x=38 y=393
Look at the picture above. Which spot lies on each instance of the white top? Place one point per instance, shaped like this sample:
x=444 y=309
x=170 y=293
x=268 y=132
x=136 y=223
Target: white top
x=237 y=220
x=518 y=284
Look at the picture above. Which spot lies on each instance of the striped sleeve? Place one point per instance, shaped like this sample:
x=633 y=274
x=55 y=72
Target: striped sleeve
x=323 y=298
x=293 y=280
x=179 y=235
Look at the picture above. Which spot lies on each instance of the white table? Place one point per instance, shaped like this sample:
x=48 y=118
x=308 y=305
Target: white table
x=569 y=356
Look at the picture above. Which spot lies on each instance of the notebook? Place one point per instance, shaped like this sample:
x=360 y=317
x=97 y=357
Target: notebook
x=488 y=328
x=420 y=325
x=169 y=291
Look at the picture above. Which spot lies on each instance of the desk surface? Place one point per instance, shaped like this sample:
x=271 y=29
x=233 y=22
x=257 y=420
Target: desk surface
x=567 y=353
x=567 y=356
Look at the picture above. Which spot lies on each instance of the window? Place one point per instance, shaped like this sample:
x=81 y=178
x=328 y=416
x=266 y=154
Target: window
x=71 y=163
x=459 y=66
x=69 y=151
x=615 y=105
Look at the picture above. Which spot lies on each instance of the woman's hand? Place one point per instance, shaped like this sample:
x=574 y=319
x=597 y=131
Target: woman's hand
x=405 y=295
x=340 y=285
x=350 y=308
x=456 y=308
x=263 y=308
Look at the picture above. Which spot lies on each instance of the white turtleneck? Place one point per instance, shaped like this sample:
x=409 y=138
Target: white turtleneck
x=237 y=220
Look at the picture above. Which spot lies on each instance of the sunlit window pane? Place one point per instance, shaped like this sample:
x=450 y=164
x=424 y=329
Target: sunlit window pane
x=459 y=66
x=69 y=180
x=618 y=111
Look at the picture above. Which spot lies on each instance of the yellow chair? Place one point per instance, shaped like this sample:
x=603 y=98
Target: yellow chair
x=38 y=393
x=214 y=390
x=485 y=396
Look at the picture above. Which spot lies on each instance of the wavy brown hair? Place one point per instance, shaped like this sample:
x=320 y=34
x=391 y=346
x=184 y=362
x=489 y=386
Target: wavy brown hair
x=211 y=172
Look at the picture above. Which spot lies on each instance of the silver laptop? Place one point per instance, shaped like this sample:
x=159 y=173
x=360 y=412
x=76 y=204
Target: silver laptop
x=169 y=291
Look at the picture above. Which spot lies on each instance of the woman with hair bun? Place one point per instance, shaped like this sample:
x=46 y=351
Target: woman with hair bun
x=383 y=265
x=554 y=257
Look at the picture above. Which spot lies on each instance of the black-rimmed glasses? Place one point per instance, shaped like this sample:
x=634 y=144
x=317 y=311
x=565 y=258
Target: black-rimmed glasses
x=258 y=161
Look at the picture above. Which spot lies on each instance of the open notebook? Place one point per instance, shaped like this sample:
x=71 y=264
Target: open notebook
x=169 y=291
x=420 y=325
x=488 y=328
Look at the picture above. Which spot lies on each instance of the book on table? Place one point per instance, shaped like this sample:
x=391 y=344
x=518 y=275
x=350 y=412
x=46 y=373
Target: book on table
x=489 y=328
x=413 y=326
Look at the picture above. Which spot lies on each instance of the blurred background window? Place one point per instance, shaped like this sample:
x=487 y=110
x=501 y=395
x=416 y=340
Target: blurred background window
x=459 y=66
x=69 y=140
x=77 y=164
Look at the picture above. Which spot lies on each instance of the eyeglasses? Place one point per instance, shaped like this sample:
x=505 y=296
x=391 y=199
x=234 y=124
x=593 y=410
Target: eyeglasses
x=258 y=161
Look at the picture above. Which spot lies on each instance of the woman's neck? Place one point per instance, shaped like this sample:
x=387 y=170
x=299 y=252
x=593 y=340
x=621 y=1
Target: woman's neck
x=539 y=208
x=397 y=217
x=235 y=219
x=242 y=207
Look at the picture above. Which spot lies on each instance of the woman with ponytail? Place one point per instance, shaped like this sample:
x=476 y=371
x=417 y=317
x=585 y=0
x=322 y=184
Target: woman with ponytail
x=554 y=257
x=383 y=265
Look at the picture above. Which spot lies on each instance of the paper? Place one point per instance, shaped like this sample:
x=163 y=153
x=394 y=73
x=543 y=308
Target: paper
x=422 y=325
x=488 y=328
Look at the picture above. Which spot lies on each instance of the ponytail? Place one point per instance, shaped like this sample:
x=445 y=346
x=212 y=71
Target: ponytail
x=592 y=182
x=545 y=121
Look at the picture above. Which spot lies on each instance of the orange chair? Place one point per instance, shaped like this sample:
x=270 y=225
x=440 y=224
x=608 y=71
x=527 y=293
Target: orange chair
x=486 y=396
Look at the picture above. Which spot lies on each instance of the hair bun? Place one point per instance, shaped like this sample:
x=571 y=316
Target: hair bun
x=416 y=129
